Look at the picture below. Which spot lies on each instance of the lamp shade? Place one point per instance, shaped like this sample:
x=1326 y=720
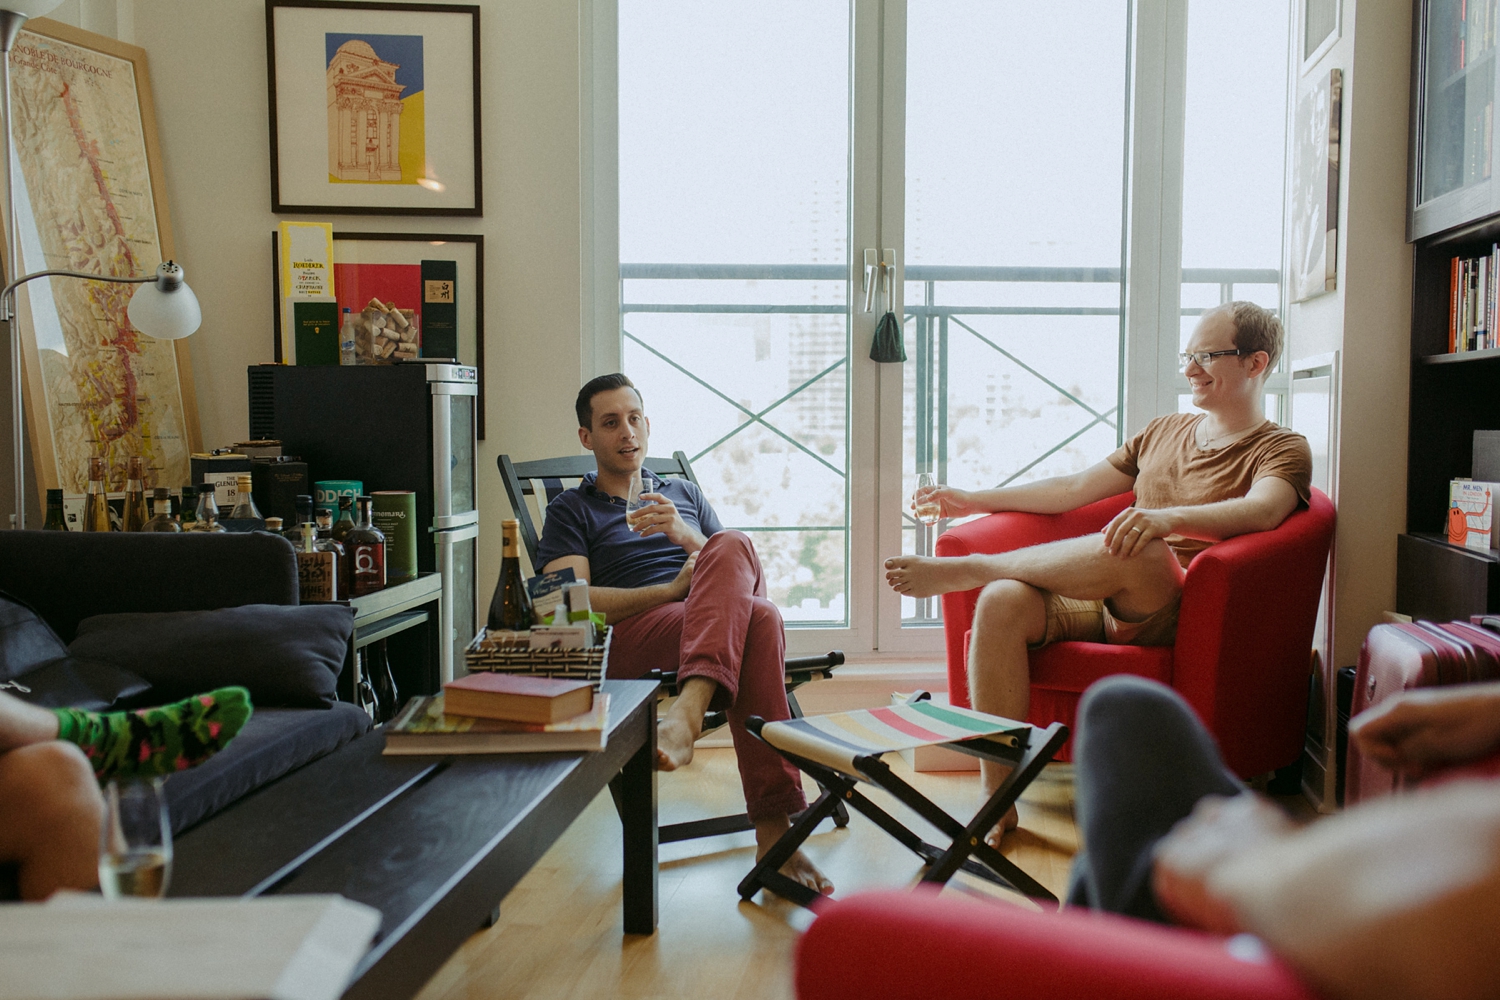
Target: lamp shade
x=165 y=309
x=30 y=8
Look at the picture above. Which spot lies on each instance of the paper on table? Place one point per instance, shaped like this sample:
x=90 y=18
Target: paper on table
x=85 y=948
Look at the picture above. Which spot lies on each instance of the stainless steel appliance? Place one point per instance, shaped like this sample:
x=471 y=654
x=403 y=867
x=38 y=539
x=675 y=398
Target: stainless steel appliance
x=393 y=427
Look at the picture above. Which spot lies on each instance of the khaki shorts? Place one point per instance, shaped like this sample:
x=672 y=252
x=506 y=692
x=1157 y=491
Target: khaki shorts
x=1072 y=620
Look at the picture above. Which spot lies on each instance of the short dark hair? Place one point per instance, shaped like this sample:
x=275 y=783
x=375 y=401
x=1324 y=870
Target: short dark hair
x=592 y=388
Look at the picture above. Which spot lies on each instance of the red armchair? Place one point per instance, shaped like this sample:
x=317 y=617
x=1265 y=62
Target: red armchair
x=1244 y=634
x=917 y=945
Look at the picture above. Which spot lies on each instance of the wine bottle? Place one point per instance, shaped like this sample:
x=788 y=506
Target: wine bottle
x=511 y=607
x=244 y=503
x=208 y=510
x=56 y=519
x=365 y=546
x=161 y=501
x=96 y=505
x=345 y=523
x=136 y=514
x=189 y=518
x=383 y=683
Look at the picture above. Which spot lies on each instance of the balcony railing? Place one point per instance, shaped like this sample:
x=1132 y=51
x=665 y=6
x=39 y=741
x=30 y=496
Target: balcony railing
x=932 y=324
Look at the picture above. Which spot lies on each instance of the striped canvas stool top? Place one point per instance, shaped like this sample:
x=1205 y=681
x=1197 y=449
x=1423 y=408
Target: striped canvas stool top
x=842 y=749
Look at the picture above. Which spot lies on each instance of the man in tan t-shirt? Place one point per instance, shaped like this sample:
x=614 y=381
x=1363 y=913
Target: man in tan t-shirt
x=1198 y=479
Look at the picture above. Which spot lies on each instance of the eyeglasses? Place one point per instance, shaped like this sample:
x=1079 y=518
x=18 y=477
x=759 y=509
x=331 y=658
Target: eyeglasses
x=1202 y=358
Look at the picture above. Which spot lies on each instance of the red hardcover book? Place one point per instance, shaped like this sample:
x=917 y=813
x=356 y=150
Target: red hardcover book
x=517 y=697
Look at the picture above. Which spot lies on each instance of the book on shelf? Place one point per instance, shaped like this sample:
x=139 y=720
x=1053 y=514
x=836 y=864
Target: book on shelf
x=422 y=728
x=518 y=697
x=1474 y=302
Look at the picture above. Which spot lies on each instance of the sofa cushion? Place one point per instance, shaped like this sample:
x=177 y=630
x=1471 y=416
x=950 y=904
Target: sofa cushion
x=274 y=742
x=26 y=641
x=73 y=682
x=287 y=656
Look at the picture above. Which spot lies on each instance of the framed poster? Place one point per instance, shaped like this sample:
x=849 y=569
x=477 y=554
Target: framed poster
x=92 y=199
x=1315 y=188
x=434 y=282
x=374 y=107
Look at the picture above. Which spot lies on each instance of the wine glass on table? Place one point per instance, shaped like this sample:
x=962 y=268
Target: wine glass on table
x=928 y=511
x=135 y=840
x=633 y=502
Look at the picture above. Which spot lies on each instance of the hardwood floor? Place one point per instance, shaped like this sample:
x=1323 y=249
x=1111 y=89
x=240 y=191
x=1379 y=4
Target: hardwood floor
x=559 y=933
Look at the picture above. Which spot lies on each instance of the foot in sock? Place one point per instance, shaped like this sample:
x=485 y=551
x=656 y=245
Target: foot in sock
x=152 y=741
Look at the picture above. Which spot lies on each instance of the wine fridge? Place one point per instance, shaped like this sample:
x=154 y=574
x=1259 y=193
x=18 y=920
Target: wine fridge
x=407 y=426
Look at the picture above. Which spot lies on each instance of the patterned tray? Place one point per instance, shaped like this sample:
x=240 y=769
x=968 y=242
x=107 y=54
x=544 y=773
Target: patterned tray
x=488 y=652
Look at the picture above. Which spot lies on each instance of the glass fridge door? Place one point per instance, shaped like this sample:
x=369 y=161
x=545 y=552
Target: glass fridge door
x=453 y=454
x=457 y=558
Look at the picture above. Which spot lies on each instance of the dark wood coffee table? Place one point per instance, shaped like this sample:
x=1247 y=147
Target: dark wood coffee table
x=434 y=843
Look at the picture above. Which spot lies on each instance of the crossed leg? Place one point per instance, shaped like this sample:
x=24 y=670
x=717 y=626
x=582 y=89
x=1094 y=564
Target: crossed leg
x=52 y=809
x=1011 y=615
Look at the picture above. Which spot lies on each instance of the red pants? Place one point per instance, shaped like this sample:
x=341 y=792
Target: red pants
x=728 y=632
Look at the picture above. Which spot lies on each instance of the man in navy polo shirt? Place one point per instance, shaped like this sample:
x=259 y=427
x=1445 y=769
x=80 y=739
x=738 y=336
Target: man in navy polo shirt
x=677 y=588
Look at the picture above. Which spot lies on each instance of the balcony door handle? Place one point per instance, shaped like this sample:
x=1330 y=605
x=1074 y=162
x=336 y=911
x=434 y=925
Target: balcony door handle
x=880 y=276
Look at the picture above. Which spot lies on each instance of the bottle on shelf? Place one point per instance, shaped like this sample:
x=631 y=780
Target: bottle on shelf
x=364 y=545
x=345 y=523
x=189 y=509
x=317 y=568
x=244 y=504
x=208 y=510
x=348 y=332
x=136 y=514
x=324 y=517
x=293 y=531
x=56 y=519
x=511 y=608
x=382 y=681
x=161 y=502
x=273 y=525
x=96 y=503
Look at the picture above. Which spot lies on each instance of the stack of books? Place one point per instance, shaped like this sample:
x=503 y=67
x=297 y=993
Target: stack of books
x=1472 y=302
x=502 y=713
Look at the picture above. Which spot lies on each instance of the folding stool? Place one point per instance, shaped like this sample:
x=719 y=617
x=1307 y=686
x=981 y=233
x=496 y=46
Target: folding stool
x=845 y=748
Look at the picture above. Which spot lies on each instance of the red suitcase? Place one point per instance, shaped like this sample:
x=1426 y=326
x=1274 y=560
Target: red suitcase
x=1396 y=658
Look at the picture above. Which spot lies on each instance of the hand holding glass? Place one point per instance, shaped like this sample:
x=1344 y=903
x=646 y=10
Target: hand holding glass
x=135 y=841
x=633 y=502
x=928 y=511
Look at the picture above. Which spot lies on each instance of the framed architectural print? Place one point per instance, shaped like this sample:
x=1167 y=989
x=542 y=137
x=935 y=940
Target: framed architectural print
x=91 y=197
x=1315 y=188
x=408 y=295
x=374 y=107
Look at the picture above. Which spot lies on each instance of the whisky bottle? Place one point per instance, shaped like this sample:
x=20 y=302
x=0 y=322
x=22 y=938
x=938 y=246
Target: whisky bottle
x=293 y=531
x=189 y=508
x=208 y=510
x=511 y=606
x=56 y=519
x=317 y=568
x=365 y=546
x=273 y=525
x=244 y=503
x=136 y=514
x=345 y=523
x=161 y=502
x=324 y=518
x=96 y=505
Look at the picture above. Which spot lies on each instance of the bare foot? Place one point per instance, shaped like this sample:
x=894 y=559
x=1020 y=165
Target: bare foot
x=674 y=743
x=925 y=576
x=798 y=867
x=1008 y=822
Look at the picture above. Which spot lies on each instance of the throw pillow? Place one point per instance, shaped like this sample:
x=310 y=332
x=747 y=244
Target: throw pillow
x=70 y=682
x=26 y=641
x=286 y=655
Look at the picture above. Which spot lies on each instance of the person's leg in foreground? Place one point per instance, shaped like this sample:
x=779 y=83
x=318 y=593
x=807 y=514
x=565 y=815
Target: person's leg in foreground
x=1141 y=760
x=731 y=647
x=51 y=761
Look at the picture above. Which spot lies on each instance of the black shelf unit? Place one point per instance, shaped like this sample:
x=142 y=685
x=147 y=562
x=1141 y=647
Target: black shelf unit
x=1452 y=396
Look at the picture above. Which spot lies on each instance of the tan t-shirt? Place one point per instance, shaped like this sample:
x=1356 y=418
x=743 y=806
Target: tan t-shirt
x=1170 y=469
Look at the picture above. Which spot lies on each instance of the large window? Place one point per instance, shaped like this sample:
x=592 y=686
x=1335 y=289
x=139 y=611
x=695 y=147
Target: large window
x=999 y=152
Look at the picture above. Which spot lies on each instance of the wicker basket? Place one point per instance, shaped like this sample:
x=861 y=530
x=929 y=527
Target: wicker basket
x=486 y=653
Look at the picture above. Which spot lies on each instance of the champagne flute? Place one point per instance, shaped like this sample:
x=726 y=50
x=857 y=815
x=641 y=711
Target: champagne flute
x=633 y=502
x=928 y=511
x=135 y=841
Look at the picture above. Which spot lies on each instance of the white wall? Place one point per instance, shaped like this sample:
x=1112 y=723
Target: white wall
x=1368 y=319
x=208 y=71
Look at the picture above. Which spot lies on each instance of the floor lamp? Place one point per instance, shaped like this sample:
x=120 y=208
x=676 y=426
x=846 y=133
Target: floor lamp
x=163 y=307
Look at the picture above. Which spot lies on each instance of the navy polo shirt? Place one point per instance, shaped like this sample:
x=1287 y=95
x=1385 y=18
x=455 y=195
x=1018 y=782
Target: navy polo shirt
x=586 y=521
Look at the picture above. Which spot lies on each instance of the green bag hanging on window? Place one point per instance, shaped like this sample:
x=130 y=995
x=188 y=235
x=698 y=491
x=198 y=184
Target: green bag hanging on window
x=888 y=346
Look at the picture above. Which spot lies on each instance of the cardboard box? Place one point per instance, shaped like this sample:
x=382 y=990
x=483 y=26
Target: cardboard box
x=1471 y=514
